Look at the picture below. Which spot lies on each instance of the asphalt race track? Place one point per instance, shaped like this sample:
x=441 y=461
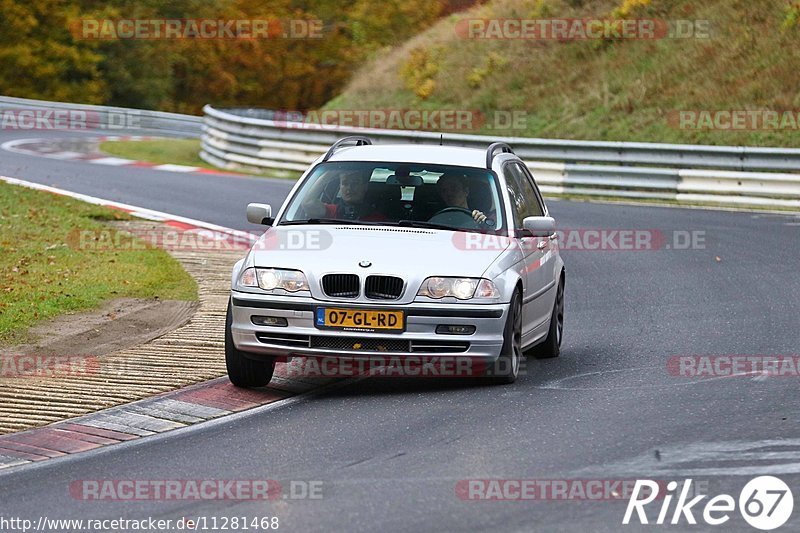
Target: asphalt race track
x=390 y=453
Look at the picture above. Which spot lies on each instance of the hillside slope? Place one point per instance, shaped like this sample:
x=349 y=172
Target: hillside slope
x=612 y=89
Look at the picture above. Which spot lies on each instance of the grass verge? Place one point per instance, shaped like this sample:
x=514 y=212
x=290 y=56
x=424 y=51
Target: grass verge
x=45 y=274
x=161 y=151
x=170 y=151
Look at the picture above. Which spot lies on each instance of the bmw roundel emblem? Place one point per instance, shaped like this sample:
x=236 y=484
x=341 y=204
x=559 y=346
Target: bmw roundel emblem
x=365 y=264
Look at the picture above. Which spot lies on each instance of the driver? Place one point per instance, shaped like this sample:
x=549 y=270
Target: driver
x=454 y=192
x=351 y=203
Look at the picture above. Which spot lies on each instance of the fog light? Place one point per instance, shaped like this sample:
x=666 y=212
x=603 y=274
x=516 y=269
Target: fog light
x=269 y=321
x=444 y=329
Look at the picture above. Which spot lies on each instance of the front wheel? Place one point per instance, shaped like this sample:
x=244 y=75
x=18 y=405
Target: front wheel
x=506 y=369
x=244 y=372
x=551 y=347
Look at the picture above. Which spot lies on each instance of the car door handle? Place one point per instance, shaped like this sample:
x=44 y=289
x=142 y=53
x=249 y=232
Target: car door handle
x=541 y=245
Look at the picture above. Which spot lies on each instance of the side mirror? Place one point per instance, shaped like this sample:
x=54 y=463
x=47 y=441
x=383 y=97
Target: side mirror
x=540 y=226
x=259 y=214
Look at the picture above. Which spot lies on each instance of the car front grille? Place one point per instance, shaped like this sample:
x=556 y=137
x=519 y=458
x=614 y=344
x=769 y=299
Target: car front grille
x=383 y=287
x=341 y=285
x=359 y=344
x=283 y=339
x=438 y=346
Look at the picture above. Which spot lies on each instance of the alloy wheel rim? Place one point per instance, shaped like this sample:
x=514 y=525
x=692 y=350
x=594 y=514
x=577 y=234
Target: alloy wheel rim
x=559 y=314
x=516 y=349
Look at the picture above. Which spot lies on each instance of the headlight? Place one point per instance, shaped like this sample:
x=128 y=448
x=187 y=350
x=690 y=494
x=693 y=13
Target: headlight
x=270 y=279
x=464 y=288
x=461 y=288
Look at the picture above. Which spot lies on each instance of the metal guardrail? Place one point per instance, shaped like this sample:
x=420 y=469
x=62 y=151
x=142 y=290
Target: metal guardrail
x=251 y=138
x=95 y=118
x=254 y=139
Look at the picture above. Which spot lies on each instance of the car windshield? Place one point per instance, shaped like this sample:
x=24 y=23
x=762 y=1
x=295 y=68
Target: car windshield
x=398 y=194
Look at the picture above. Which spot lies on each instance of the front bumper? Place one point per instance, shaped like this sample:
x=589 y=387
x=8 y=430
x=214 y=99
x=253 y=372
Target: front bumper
x=300 y=338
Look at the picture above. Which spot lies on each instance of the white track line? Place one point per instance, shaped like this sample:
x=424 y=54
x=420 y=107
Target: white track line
x=113 y=161
x=175 y=168
x=11 y=146
x=65 y=155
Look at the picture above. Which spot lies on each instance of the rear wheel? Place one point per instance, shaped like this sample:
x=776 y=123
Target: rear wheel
x=551 y=347
x=506 y=369
x=244 y=372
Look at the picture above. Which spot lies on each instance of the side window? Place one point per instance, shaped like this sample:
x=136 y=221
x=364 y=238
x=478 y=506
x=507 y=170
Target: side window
x=514 y=195
x=539 y=198
x=524 y=198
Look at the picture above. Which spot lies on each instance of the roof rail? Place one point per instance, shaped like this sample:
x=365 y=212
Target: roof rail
x=359 y=140
x=506 y=149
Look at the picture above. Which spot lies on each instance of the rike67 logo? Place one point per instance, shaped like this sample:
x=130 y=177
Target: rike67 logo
x=766 y=503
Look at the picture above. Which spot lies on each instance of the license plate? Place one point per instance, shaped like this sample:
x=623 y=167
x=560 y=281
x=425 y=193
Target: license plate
x=359 y=319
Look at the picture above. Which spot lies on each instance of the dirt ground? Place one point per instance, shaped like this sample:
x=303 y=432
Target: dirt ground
x=118 y=324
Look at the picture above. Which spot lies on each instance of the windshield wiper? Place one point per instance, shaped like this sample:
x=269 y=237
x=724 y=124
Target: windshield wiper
x=309 y=221
x=434 y=225
x=427 y=225
x=325 y=221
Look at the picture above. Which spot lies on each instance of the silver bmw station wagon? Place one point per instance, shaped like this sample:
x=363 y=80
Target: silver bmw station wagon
x=405 y=251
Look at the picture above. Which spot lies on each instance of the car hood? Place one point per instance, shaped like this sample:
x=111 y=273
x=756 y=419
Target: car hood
x=405 y=252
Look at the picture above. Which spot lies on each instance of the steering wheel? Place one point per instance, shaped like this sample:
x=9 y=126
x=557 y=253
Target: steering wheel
x=455 y=216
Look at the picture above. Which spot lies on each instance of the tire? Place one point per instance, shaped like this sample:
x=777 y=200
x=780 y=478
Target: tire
x=551 y=347
x=506 y=369
x=244 y=372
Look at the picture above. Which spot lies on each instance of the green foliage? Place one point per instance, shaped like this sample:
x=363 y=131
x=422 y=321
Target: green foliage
x=419 y=70
x=493 y=63
x=792 y=18
x=40 y=58
x=391 y=22
x=44 y=55
x=628 y=7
